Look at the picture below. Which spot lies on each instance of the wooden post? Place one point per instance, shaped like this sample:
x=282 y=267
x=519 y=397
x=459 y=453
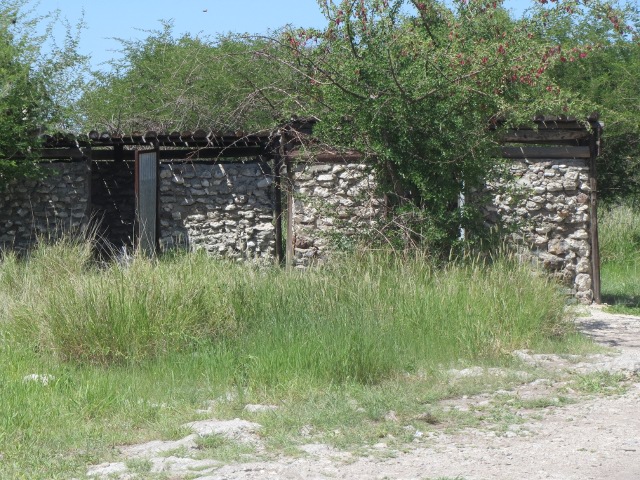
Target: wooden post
x=277 y=207
x=594 y=146
x=290 y=216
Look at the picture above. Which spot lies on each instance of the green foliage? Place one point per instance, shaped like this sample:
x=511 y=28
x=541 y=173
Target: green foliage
x=270 y=325
x=120 y=314
x=166 y=83
x=399 y=313
x=606 y=383
x=619 y=232
x=19 y=94
x=601 y=53
x=414 y=85
x=132 y=352
x=36 y=88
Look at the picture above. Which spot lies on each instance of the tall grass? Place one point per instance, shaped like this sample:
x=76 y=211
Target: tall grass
x=619 y=232
x=135 y=349
x=371 y=316
x=116 y=314
x=359 y=320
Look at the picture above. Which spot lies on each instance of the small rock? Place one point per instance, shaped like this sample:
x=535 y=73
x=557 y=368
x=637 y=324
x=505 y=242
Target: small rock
x=466 y=372
x=260 y=408
x=43 y=379
x=237 y=429
x=306 y=431
x=149 y=449
x=107 y=469
x=174 y=464
x=391 y=416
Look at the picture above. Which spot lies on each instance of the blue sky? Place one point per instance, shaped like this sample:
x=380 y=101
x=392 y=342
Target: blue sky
x=106 y=20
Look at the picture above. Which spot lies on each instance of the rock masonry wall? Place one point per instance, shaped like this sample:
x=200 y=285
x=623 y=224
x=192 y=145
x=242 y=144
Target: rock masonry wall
x=226 y=209
x=547 y=202
x=334 y=205
x=47 y=207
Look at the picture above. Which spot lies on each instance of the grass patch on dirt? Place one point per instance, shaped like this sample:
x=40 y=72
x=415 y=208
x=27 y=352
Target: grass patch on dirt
x=351 y=353
x=601 y=383
x=221 y=448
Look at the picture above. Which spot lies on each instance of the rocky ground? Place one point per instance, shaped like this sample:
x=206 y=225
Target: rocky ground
x=559 y=434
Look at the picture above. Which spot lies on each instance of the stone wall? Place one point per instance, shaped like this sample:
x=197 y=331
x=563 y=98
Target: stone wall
x=50 y=206
x=334 y=205
x=544 y=203
x=226 y=209
x=547 y=203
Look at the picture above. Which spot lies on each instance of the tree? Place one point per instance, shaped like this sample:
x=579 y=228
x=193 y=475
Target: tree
x=606 y=76
x=415 y=84
x=184 y=83
x=36 y=89
x=420 y=87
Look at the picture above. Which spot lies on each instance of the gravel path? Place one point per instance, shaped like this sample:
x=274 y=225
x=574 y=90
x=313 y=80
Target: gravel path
x=595 y=438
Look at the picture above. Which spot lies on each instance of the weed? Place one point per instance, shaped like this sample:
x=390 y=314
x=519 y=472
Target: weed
x=211 y=442
x=542 y=402
x=601 y=383
x=221 y=448
x=619 y=232
x=139 y=465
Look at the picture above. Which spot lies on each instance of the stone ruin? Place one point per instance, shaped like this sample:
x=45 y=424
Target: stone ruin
x=230 y=209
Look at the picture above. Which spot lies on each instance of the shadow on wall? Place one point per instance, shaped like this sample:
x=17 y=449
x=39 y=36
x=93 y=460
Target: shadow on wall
x=113 y=204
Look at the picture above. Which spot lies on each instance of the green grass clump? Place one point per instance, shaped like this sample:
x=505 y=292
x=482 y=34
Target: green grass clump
x=619 y=234
x=354 y=321
x=362 y=320
x=119 y=313
x=606 y=383
x=134 y=350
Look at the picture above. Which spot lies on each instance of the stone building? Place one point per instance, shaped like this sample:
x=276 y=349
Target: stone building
x=256 y=196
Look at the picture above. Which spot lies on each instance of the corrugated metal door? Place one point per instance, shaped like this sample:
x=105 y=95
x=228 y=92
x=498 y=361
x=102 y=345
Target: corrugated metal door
x=147 y=201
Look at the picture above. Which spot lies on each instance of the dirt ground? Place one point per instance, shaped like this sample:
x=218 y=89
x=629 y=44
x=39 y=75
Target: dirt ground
x=597 y=437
